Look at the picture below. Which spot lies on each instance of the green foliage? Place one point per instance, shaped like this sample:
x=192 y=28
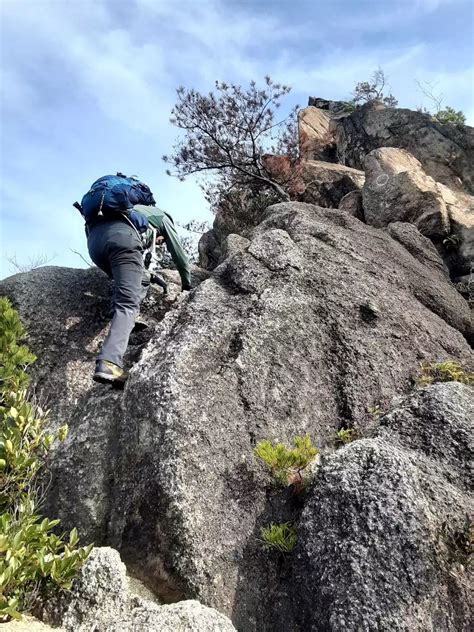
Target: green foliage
x=281 y=537
x=287 y=465
x=14 y=358
x=374 y=90
x=345 y=435
x=349 y=106
x=449 y=115
x=374 y=410
x=33 y=561
x=448 y=371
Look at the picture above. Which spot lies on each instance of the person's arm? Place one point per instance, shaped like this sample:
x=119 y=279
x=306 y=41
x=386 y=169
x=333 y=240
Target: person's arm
x=176 y=251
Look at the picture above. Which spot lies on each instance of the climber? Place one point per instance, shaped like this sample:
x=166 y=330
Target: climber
x=118 y=232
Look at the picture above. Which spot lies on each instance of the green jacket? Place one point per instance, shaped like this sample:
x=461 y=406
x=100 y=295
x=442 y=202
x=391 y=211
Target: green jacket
x=163 y=223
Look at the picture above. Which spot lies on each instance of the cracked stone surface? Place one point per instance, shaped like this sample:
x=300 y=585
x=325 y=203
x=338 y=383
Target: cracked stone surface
x=276 y=343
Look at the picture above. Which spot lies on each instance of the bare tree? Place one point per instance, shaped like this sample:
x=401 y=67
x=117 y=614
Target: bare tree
x=86 y=261
x=442 y=114
x=374 y=90
x=34 y=262
x=228 y=132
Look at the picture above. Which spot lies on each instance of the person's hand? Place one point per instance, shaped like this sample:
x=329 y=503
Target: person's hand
x=159 y=240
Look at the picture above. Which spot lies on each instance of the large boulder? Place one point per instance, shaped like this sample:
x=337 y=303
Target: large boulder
x=458 y=247
x=315 y=135
x=315 y=140
x=101 y=599
x=325 y=183
x=446 y=151
x=311 y=181
x=319 y=317
x=397 y=189
x=384 y=540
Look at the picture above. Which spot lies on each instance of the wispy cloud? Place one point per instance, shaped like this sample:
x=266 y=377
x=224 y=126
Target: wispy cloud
x=88 y=86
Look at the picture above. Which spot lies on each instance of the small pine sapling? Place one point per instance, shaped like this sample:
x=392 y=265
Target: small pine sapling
x=288 y=465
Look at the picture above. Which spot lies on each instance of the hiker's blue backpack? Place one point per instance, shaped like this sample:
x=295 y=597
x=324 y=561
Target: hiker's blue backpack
x=110 y=195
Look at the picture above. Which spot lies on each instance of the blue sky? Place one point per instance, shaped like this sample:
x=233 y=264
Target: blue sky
x=88 y=85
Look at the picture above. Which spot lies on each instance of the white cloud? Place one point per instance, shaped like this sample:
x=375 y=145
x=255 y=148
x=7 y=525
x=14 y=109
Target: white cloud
x=122 y=62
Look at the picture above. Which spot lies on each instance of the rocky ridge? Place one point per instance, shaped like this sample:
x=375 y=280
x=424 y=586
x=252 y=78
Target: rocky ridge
x=309 y=318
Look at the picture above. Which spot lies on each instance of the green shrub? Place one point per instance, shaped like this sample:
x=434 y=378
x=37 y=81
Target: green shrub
x=345 y=435
x=34 y=561
x=287 y=465
x=281 y=537
x=449 y=115
x=448 y=371
x=14 y=358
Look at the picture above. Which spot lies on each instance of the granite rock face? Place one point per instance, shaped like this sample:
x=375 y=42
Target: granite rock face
x=397 y=189
x=446 y=151
x=315 y=140
x=101 y=600
x=384 y=538
x=325 y=183
x=303 y=328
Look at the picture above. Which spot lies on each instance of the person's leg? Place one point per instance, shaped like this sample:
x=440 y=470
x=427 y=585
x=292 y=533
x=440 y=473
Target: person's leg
x=126 y=264
x=144 y=285
x=97 y=246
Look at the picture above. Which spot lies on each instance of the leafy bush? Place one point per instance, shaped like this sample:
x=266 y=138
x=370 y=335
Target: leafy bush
x=287 y=465
x=33 y=561
x=448 y=371
x=281 y=537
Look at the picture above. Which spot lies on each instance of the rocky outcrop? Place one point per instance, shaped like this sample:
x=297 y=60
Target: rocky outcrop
x=315 y=136
x=209 y=249
x=300 y=330
x=315 y=140
x=101 y=600
x=384 y=538
x=312 y=181
x=325 y=183
x=397 y=189
x=445 y=151
x=352 y=203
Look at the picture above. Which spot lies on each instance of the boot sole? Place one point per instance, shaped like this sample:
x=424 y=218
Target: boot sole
x=139 y=327
x=104 y=378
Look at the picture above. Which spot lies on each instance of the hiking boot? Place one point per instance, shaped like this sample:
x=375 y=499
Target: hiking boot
x=109 y=373
x=140 y=325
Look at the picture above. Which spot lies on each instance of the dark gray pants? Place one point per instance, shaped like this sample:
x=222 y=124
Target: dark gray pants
x=115 y=247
